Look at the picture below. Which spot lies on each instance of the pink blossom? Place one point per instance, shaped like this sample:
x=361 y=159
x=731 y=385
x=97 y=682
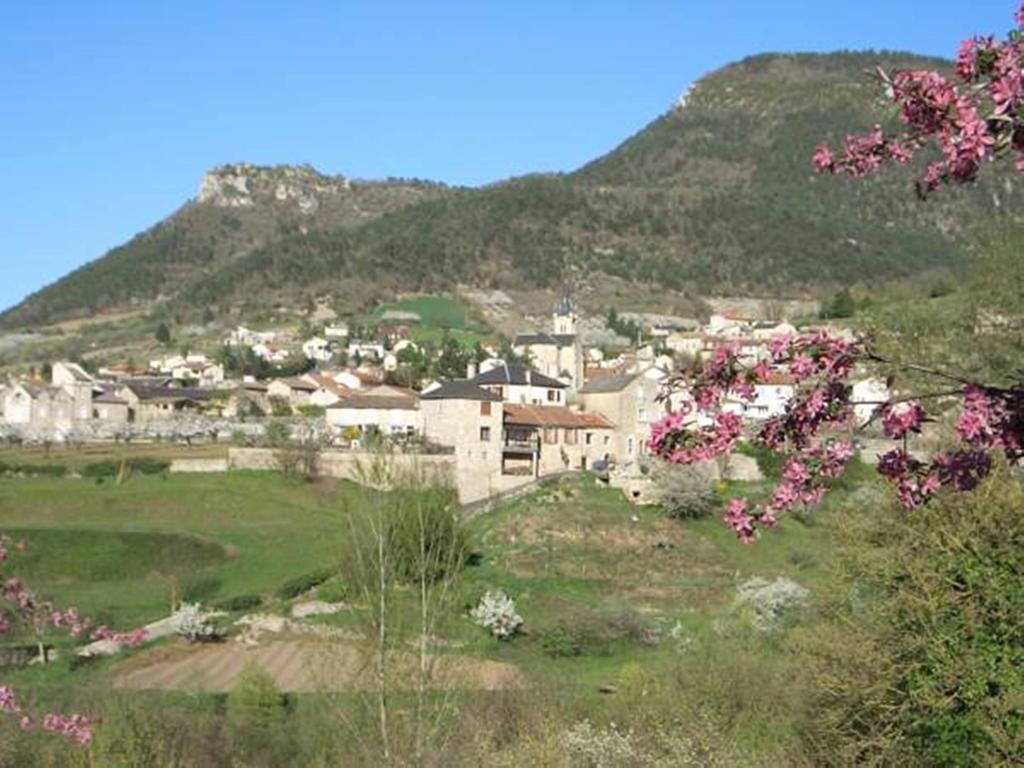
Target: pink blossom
x=901 y=419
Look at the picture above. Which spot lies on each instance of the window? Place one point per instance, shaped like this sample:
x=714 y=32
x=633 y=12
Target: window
x=485 y=434
x=589 y=438
x=552 y=395
x=485 y=407
x=629 y=446
x=641 y=413
x=550 y=435
x=570 y=437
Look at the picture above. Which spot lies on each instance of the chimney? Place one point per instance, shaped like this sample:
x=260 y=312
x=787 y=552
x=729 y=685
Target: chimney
x=471 y=369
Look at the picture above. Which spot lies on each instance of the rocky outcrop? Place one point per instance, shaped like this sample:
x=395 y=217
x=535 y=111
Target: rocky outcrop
x=243 y=185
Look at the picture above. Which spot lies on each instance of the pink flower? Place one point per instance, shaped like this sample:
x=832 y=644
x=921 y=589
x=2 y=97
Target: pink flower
x=823 y=159
x=737 y=518
x=900 y=419
x=965 y=66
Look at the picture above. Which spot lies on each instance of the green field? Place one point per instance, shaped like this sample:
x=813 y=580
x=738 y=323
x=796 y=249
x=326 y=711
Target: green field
x=611 y=593
x=434 y=311
x=122 y=553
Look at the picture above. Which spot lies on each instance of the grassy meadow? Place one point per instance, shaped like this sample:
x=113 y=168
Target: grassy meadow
x=616 y=598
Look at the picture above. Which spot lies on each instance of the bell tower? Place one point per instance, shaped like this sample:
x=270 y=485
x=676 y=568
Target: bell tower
x=565 y=318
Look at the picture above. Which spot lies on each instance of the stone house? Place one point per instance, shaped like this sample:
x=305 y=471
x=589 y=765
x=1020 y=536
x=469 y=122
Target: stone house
x=296 y=392
x=388 y=413
x=544 y=439
x=630 y=402
x=147 y=403
x=519 y=384
x=39 y=407
x=110 y=409
x=468 y=419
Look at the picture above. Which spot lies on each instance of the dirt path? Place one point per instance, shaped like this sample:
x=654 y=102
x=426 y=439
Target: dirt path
x=296 y=665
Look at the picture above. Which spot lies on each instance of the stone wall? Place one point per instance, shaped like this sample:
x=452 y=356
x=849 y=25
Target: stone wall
x=352 y=465
x=199 y=465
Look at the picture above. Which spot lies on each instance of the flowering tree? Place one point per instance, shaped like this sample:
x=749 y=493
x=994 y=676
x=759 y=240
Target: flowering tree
x=974 y=119
x=26 y=609
x=810 y=432
x=977 y=119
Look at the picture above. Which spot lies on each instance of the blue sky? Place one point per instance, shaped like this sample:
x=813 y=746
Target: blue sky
x=113 y=110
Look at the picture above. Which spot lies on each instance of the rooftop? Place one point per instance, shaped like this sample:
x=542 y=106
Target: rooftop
x=461 y=389
x=553 y=416
x=517 y=374
x=608 y=384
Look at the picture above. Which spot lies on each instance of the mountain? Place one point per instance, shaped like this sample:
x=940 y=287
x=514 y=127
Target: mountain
x=715 y=195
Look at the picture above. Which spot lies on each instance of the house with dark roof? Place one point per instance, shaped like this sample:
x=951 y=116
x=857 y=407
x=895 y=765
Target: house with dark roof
x=558 y=354
x=519 y=384
x=631 y=402
x=148 y=403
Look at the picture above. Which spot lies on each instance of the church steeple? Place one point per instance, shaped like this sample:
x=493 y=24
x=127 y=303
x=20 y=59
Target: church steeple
x=565 y=317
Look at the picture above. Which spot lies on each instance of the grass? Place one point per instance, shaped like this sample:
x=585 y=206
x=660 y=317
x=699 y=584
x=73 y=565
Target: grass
x=77 y=457
x=468 y=339
x=434 y=311
x=127 y=550
x=576 y=556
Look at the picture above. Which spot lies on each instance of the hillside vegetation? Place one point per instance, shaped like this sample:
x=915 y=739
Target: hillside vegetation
x=714 y=196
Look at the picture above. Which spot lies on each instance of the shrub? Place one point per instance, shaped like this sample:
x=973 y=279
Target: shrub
x=560 y=641
x=35 y=470
x=302 y=584
x=496 y=613
x=770 y=600
x=684 y=491
x=191 y=623
x=426 y=535
x=239 y=603
x=142 y=465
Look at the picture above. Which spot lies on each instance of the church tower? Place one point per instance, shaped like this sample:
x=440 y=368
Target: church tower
x=565 y=318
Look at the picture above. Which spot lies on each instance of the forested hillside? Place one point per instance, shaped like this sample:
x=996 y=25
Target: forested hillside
x=716 y=195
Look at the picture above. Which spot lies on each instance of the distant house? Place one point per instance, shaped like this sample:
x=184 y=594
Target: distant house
x=631 y=403
x=318 y=349
x=38 y=406
x=383 y=412
x=249 y=398
x=148 y=403
x=244 y=337
x=336 y=331
x=110 y=409
x=206 y=373
x=294 y=391
x=553 y=439
x=519 y=384
x=328 y=390
x=558 y=354
x=365 y=350
x=270 y=353
x=464 y=416
x=770 y=399
x=867 y=396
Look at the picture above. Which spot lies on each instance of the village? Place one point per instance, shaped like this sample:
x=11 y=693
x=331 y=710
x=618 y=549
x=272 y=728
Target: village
x=543 y=404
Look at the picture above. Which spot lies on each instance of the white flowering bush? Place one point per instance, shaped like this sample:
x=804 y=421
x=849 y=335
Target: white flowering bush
x=191 y=623
x=496 y=613
x=770 y=599
x=584 y=746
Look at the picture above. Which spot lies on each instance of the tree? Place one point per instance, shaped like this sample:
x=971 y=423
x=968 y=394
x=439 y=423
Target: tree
x=453 y=361
x=842 y=305
x=979 y=119
x=163 y=333
x=407 y=543
x=976 y=119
